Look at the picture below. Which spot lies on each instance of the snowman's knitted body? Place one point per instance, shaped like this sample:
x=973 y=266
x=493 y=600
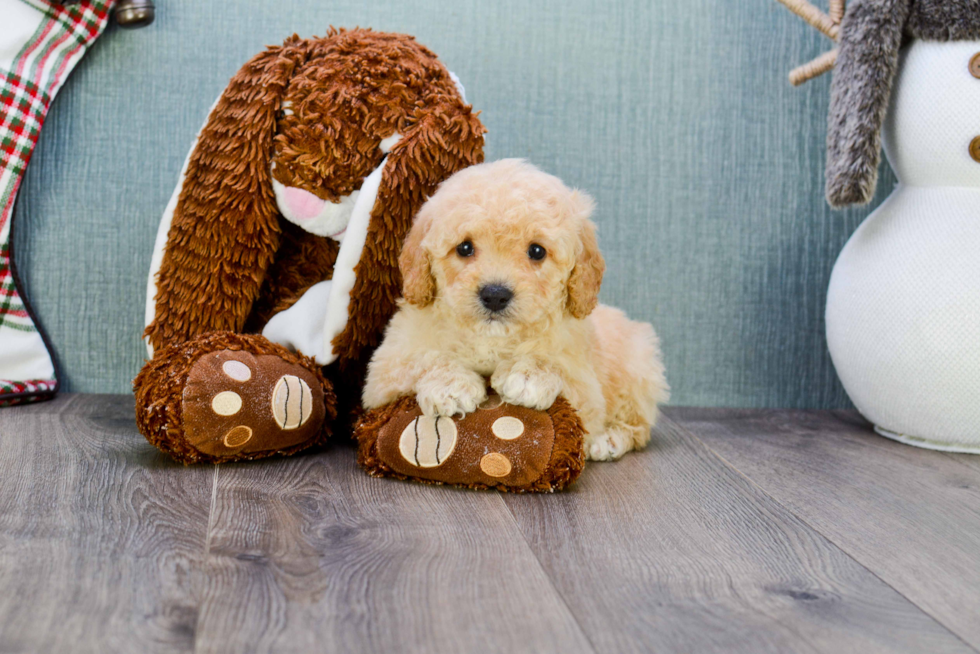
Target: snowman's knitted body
x=903 y=307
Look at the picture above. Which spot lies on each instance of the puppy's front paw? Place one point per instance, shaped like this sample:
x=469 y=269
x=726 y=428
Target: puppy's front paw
x=448 y=392
x=608 y=446
x=525 y=384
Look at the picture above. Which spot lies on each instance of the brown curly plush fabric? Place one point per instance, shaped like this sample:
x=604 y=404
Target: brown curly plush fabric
x=564 y=461
x=300 y=263
x=228 y=263
x=310 y=113
x=159 y=393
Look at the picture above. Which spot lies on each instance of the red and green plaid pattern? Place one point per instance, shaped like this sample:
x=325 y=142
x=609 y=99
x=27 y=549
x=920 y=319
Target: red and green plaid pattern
x=22 y=109
x=21 y=392
x=13 y=314
x=47 y=40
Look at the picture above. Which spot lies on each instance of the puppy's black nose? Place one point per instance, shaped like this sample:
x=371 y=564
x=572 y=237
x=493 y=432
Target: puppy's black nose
x=495 y=297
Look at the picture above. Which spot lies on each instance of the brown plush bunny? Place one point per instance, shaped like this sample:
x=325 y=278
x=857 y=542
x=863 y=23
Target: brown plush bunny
x=276 y=267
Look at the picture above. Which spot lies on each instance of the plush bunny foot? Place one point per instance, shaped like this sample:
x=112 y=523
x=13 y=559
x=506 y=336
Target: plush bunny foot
x=498 y=445
x=228 y=397
x=237 y=404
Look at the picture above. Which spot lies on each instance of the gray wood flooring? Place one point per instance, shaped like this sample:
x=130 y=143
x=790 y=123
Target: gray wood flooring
x=736 y=531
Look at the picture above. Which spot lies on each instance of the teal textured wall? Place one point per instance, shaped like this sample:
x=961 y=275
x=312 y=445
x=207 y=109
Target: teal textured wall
x=706 y=167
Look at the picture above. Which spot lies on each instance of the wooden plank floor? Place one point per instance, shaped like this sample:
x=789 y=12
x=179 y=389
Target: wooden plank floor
x=736 y=531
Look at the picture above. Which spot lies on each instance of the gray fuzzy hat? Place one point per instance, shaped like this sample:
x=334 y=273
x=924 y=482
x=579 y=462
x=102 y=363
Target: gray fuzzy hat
x=871 y=34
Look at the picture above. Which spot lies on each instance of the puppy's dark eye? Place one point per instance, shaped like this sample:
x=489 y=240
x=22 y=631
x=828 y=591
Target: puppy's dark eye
x=465 y=249
x=536 y=252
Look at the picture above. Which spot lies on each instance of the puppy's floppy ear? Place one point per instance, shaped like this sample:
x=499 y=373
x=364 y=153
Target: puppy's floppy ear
x=225 y=229
x=418 y=284
x=586 y=276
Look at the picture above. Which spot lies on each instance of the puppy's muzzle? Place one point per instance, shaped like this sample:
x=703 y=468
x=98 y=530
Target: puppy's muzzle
x=495 y=297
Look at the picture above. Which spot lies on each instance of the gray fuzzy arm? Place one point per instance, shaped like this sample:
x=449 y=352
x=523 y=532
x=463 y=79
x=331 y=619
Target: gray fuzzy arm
x=870 y=37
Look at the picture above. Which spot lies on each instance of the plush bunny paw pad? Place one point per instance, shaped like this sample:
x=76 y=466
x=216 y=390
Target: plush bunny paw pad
x=237 y=403
x=498 y=446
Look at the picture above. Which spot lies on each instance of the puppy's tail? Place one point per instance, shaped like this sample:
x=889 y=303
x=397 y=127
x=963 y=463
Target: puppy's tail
x=646 y=367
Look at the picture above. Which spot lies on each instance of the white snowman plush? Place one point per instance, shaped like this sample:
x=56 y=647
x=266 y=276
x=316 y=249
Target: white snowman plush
x=903 y=306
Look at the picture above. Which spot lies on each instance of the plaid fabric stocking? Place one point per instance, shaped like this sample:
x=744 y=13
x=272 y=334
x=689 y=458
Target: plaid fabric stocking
x=40 y=43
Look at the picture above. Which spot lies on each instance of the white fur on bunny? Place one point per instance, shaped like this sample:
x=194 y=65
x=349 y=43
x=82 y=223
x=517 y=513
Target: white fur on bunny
x=310 y=325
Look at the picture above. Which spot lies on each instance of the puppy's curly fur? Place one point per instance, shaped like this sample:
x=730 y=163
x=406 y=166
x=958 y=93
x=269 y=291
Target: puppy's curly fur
x=550 y=338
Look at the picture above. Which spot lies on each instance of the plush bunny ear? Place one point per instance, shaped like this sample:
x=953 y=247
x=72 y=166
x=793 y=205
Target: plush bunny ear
x=586 y=276
x=225 y=228
x=870 y=37
x=445 y=136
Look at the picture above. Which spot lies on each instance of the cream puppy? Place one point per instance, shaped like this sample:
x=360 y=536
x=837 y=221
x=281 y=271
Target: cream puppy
x=501 y=276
